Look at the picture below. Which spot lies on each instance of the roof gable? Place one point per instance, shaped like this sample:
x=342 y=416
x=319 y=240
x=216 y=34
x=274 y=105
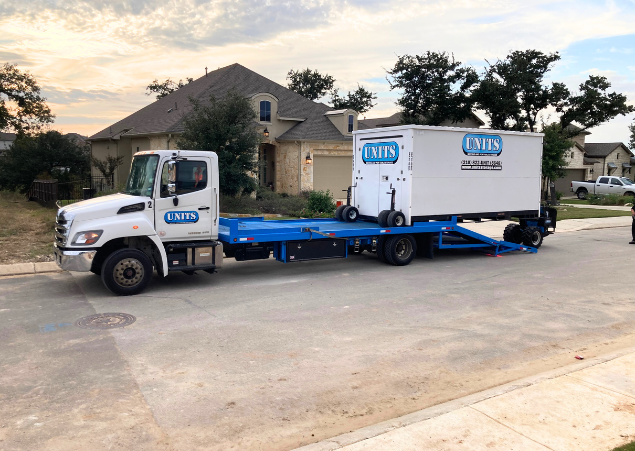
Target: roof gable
x=603 y=150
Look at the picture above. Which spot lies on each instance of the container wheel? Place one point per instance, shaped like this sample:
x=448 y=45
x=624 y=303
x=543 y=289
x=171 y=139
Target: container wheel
x=513 y=234
x=396 y=219
x=126 y=272
x=532 y=236
x=382 y=218
x=350 y=214
x=338 y=212
x=399 y=250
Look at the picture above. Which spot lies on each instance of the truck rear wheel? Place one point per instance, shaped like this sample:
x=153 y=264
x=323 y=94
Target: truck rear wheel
x=381 y=241
x=126 y=272
x=513 y=234
x=532 y=236
x=582 y=193
x=399 y=250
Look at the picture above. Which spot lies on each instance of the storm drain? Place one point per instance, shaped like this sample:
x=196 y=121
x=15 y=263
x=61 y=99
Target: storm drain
x=105 y=321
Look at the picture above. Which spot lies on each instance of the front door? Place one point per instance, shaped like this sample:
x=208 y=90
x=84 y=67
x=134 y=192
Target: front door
x=191 y=218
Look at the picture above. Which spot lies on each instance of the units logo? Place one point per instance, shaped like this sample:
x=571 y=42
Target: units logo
x=181 y=217
x=380 y=153
x=482 y=145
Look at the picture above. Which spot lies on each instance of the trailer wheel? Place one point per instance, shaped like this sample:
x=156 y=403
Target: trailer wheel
x=513 y=233
x=381 y=241
x=338 y=212
x=382 y=218
x=532 y=236
x=396 y=219
x=582 y=193
x=126 y=272
x=399 y=250
x=350 y=214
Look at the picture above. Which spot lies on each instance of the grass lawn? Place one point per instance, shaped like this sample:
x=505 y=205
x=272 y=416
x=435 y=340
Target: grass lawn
x=27 y=230
x=628 y=447
x=582 y=213
x=574 y=201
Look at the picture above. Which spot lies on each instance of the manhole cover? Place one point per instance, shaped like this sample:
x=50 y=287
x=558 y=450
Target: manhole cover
x=105 y=321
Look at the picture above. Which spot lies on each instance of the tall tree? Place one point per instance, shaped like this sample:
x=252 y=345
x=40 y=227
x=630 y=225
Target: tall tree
x=49 y=154
x=310 y=83
x=435 y=87
x=512 y=92
x=226 y=126
x=22 y=107
x=554 y=147
x=360 y=100
x=164 y=88
x=108 y=166
x=631 y=144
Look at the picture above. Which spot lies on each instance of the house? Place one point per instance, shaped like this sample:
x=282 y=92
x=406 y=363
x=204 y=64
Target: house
x=306 y=145
x=6 y=139
x=587 y=161
x=472 y=122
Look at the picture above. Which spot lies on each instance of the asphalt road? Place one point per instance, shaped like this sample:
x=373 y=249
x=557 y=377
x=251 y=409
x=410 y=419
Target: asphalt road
x=267 y=356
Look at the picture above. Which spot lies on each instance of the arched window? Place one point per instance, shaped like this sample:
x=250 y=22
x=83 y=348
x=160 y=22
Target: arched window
x=350 y=123
x=265 y=111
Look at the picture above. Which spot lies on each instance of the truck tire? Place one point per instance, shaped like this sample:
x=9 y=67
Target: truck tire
x=399 y=250
x=532 y=236
x=582 y=193
x=338 y=212
x=628 y=193
x=96 y=270
x=513 y=234
x=381 y=241
x=126 y=272
x=396 y=219
x=350 y=214
x=382 y=218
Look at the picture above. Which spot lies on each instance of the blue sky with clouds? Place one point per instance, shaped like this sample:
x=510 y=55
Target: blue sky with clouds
x=94 y=58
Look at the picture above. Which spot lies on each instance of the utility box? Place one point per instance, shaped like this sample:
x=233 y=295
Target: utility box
x=438 y=172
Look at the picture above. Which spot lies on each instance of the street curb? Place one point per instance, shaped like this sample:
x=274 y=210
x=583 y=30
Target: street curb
x=19 y=269
x=375 y=430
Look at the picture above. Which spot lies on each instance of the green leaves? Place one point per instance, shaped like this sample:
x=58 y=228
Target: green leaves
x=22 y=107
x=164 y=88
x=226 y=126
x=360 y=100
x=310 y=84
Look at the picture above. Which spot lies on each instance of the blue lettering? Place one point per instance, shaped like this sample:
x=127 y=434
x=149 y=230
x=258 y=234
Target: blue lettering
x=380 y=153
x=477 y=144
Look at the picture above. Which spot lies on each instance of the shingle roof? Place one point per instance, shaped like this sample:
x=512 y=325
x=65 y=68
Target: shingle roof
x=590 y=161
x=155 y=118
x=601 y=150
x=7 y=136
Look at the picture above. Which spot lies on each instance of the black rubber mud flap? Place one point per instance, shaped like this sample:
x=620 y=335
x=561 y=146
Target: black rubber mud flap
x=425 y=245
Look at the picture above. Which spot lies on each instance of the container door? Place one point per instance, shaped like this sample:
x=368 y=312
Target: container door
x=389 y=178
x=191 y=219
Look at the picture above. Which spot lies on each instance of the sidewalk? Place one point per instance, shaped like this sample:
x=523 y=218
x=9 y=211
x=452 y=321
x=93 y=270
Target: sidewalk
x=599 y=207
x=587 y=406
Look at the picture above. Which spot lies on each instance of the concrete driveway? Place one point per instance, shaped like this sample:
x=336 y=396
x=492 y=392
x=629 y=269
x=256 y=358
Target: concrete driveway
x=266 y=356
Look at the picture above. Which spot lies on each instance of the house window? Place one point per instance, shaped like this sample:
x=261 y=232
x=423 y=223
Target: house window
x=265 y=111
x=350 y=123
x=618 y=156
x=572 y=155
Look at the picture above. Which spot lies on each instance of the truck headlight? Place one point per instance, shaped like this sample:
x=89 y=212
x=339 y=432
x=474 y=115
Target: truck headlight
x=89 y=237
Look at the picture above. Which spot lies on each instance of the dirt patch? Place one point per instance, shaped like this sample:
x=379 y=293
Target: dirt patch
x=27 y=230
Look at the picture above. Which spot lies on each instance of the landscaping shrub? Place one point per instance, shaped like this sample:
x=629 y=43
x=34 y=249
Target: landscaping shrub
x=265 y=202
x=609 y=199
x=321 y=202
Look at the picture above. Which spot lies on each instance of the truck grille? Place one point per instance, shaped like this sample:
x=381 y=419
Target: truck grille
x=62 y=228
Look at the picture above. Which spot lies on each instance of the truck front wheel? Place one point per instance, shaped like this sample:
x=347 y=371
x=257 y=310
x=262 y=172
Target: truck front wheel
x=582 y=193
x=126 y=272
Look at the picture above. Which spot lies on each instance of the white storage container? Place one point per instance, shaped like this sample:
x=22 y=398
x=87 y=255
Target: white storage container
x=438 y=172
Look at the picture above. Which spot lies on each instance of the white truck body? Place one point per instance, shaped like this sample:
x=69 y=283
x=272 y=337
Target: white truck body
x=605 y=184
x=439 y=172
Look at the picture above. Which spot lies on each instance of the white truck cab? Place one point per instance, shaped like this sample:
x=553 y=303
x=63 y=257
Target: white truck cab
x=166 y=218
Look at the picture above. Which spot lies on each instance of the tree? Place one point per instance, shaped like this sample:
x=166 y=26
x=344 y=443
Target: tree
x=22 y=107
x=360 y=100
x=107 y=167
x=48 y=154
x=435 y=87
x=310 y=84
x=166 y=87
x=512 y=91
x=554 y=146
x=631 y=144
x=226 y=126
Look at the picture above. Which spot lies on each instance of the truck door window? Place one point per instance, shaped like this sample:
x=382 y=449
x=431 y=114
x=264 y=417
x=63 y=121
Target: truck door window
x=616 y=182
x=604 y=180
x=191 y=176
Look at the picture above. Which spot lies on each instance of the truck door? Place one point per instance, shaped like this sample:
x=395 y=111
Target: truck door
x=615 y=186
x=191 y=218
x=602 y=186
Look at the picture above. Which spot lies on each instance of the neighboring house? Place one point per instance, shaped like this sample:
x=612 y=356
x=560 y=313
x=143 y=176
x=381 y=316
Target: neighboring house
x=306 y=145
x=6 y=139
x=587 y=161
x=472 y=122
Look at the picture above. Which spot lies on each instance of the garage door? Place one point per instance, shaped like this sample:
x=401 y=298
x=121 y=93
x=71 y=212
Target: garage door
x=333 y=173
x=563 y=185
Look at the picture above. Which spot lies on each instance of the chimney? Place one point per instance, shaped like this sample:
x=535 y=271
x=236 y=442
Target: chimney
x=206 y=71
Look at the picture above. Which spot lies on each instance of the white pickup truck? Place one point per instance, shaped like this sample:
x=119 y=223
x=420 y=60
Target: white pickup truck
x=604 y=185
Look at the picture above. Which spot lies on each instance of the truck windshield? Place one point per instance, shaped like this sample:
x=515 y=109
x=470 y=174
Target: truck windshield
x=626 y=181
x=142 y=172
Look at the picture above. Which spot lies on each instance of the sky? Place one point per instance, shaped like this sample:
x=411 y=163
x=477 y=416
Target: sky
x=94 y=59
